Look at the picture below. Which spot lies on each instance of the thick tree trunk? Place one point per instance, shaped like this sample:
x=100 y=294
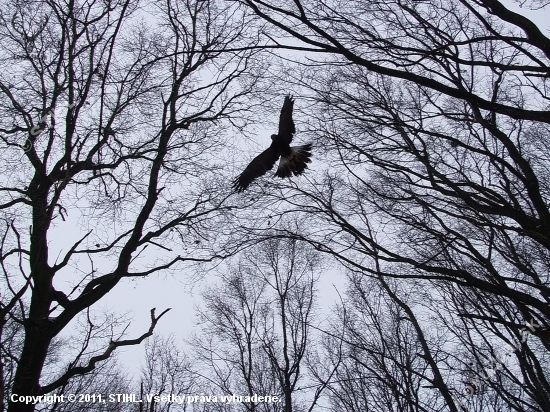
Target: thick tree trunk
x=38 y=330
x=29 y=369
x=288 y=398
x=288 y=402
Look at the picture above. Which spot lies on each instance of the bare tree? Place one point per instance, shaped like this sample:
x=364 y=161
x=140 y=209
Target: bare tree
x=382 y=366
x=257 y=327
x=434 y=118
x=167 y=378
x=107 y=378
x=111 y=123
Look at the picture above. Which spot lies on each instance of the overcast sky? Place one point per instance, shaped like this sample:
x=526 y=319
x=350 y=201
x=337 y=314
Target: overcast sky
x=181 y=292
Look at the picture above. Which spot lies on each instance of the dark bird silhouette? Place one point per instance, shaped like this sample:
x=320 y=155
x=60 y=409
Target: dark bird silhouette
x=293 y=159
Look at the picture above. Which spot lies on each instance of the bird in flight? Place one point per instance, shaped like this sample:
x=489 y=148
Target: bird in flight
x=293 y=159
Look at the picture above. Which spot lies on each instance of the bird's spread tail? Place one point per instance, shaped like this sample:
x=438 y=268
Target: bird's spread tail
x=295 y=162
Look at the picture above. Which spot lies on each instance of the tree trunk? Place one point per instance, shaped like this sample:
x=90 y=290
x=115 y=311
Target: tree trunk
x=29 y=369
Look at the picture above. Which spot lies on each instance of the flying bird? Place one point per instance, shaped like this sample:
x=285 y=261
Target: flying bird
x=293 y=159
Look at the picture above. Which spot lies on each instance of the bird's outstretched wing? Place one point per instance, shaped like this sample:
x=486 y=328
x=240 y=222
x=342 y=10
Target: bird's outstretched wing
x=259 y=166
x=286 y=124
